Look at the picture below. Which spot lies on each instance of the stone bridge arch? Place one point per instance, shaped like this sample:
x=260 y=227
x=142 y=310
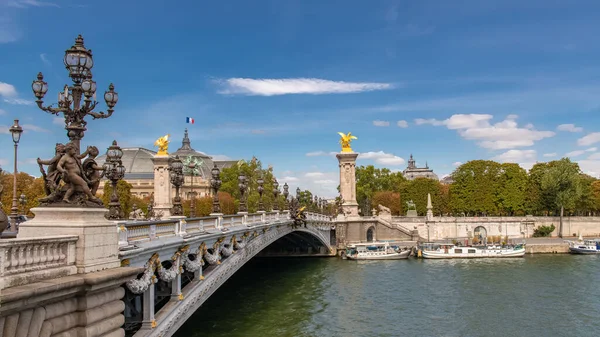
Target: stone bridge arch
x=169 y=319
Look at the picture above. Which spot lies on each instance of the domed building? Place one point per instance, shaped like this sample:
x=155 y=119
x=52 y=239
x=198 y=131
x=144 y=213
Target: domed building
x=412 y=171
x=139 y=169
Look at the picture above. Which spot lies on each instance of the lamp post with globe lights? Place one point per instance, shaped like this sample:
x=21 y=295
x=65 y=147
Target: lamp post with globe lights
x=215 y=184
x=78 y=100
x=275 y=195
x=192 y=169
x=114 y=171
x=16 y=130
x=286 y=193
x=23 y=202
x=242 y=185
x=176 y=170
x=260 y=181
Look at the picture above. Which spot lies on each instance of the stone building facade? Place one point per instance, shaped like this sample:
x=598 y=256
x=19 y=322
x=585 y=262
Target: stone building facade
x=140 y=170
x=412 y=171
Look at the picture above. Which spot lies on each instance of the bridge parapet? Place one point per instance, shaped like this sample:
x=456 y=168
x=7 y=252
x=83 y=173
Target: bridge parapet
x=25 y=261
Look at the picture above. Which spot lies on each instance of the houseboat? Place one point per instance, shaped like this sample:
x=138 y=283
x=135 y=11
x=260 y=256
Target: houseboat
x=375 y=251
x=450 y=251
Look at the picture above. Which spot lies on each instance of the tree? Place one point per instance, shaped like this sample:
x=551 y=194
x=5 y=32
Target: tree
x=474 y=188
x=124 y=194
x=227 y=203
x=512 y=184
x=585 y=204
x=562 y=181
x=417 y=190
x=370 y=180
x=30 y=186
x=388 y=199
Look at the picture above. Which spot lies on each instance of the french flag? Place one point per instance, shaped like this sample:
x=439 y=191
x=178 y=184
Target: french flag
x=189 y=120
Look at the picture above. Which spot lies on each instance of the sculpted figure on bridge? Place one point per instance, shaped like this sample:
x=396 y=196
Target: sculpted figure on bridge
x=345 y=141
x=66 y=182
x=163 y=145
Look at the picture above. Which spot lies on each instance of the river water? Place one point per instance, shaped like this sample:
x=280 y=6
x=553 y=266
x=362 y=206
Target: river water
x=539 y=295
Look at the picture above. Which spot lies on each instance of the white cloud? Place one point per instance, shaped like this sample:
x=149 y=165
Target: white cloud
x=457 y=163
x=18 y=101
x=288 y=179
x=381 y=123
x=553 y=154
x=7 y=90
x=58 y=121
x=326 y=182
x=30 y=3
x=512 y=116
x=314 y=174
x=2 y=112
x=432 y=121
x=402 y=124
x=320 y=183
x=502 y=135
x=35 y=128
x=516 y=156
x=580 y=152
x=589 y=139
x=3 y=162
x=320 y=153
x=594 y=156
x=314 y=86
x=382 y=158
x=4 y=130
x=569 y=128
x=45 y=59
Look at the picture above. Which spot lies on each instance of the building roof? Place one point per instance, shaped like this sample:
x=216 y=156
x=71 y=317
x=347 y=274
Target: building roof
x=138 y=161
x=412 y=171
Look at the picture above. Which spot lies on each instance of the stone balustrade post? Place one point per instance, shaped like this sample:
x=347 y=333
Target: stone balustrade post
x=182 y=230
x=176 y=283
x=263 y=216
x=148 y=320
x=245 y=220
x=122 y=230
x=219 y=223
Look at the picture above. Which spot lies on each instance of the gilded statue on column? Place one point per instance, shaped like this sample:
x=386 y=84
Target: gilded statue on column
x=163 y=145
x=345 y=141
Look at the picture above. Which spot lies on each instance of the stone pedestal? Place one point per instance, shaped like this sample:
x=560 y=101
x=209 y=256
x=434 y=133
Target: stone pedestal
x=411 y=213
x=97 y=246
x=162 y=186
x=347 y=164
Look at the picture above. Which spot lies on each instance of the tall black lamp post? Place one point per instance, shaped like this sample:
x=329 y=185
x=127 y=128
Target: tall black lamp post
x=23 y=202
x=192 y=169
x=114 y=171
x=176 y=170
x=286 y=193
x=16 y=130
x=275 y=194
x=79 y=62
x=215 y=184
x=298 y=193
x=261 y=189
x=242 y=184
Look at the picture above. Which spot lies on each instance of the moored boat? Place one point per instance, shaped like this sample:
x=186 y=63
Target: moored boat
x=584 y=246
x=375 y=251
x=450 y=251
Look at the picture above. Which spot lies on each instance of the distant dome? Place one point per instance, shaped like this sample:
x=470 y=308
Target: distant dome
x=138 y=161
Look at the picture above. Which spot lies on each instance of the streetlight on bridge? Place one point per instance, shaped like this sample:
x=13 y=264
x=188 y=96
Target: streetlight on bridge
x=79 y=62
x=115 y=171
x=286 y=193
x=16 y=131
x=177 y=178
x=275 y=194
x=215 y=184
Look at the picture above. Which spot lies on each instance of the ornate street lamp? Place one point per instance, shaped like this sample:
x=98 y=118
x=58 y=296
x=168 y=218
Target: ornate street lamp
x=16 y=130
x=23 y=202
x=215 y=184
x=275 y=194
x=316 y=203
x=261 y=189
x=192 y=169
x=286 y=193
x=79 y=62
x=298 y=193
x=114 y=171
x=242 y=184
x=176 y=170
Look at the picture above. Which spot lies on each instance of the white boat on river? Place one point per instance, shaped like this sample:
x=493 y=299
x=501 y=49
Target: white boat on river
x=375 y=251
x=450 y=251
x=584 y=247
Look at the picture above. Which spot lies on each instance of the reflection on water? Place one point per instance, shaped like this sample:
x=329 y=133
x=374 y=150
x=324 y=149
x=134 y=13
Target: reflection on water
x=551 y=295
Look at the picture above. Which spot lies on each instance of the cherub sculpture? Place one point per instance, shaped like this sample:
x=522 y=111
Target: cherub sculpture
x=52 y=177
x=163 y=145
x=92 y=171
x=73 y=176
x=345 y=141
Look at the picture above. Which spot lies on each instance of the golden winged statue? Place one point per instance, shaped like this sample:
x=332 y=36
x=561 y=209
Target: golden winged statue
x=345 y=141
x=163 y=145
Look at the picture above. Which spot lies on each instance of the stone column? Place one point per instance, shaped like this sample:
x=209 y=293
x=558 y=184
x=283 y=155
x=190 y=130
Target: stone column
x=429 y=208
x=347 y=164
x=148 y=321
x=162 y=186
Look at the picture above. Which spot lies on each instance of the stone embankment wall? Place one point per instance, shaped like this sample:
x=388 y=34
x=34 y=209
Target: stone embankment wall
x=440 y=228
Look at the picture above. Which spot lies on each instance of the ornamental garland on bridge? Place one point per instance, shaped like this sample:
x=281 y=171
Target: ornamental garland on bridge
x=193 y=266
x=138 y=286
x=241 y=244
x=169 y=275
x=227 y=251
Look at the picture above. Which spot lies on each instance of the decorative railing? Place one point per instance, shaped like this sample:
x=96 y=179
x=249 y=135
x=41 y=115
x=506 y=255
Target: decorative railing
x=25 y=261
x=133 y=232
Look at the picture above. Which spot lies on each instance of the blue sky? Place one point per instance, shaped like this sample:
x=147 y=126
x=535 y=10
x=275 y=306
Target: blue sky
x=515 y=81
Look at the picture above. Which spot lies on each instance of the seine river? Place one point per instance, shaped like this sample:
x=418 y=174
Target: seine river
x=539 y=295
